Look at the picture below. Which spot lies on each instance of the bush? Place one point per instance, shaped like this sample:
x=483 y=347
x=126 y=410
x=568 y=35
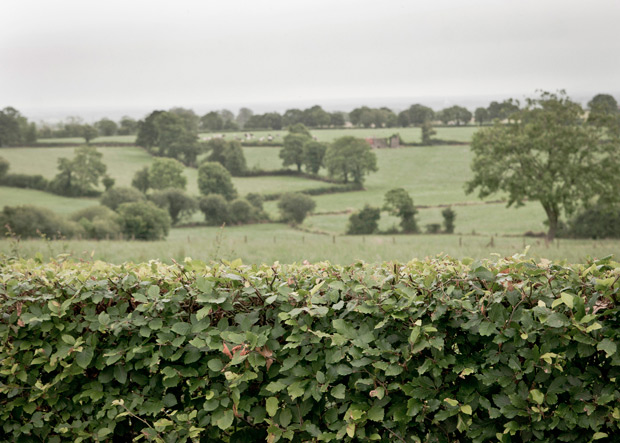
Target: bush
x=143 y=221
x=242 y=211
x=98 y=222
x=436 y=350
x=215 y=208
x=213 y=178
x=25 y=181
x=165 y=173
x=364 y=221
x=398 y=202
x=178 y=204
x=4 y=167
x=602 y=221
x=115 y=197
x=433 y=228
x=294 y=207
x=32 y=221
x=140 y=180
x=448 y=220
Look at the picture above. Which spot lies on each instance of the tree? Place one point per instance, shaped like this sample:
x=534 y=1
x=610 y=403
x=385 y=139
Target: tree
x=108 y=182
x=106 y=127
x=14 y=128
x=213 y=178
x=294 y=207
x=188 y=117
x=398 y=202
x=127 y=126
x=604 y=111
x=166 y=173
x=211 y=121
x=115 y=197
x=503 y=110
x=167 y=134
x=603 y=104
x=419 y=114
x=88 y=132
x=448 y=220
x=299 y=128
x=4 y=167
x=427 y=133
x=364 y=221
x=547 y=154
x=457 y=114
x=312 y=156
x=141 y=179
x=481 y=115
x=80 y=175
x=215 y=208
x=350 y=157
x=292 y=152
x=241 y=211
x=234 y=158
x=143 y=220
x=178 y=204
x=243 y=116
x=337 y=119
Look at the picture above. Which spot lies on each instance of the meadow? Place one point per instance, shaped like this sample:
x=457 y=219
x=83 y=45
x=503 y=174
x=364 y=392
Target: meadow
x=433 y=175
x=271 y=242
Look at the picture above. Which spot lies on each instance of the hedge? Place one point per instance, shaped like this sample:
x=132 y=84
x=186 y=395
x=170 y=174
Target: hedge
x=435 y=350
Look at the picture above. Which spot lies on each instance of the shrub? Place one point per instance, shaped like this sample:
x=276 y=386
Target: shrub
x=215 y=208
x=448 y=220
x=143 y=220
x=364 y=221
x=98 y=222
x=601 y=221
x=398 y=202
x=433 y=228
x=294 y=207
x=25 y=181
x=115 y=197
x=242 y=211
x=108 y=182
x=255 y=199
x=213 y=178
x=178 y=204
x=234 y=159
x=436 y=350
x=166 y=173
x=4 y=167
x=32 y=221
x=140 y=180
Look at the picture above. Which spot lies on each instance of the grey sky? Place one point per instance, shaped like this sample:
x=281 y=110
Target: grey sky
x=78 y=54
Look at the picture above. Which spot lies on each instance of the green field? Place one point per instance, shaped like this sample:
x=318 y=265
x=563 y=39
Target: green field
x=267 y=243
x=409 y=135
x=80 y=140
x=433 y=175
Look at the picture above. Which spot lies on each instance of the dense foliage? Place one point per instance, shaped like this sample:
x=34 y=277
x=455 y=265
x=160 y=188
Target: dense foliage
x=429 y=351
x=547 y=153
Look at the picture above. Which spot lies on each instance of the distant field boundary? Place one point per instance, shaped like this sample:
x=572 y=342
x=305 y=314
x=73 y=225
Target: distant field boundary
x=70 y=144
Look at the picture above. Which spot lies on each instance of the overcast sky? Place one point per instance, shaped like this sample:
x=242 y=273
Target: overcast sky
x=207 y=54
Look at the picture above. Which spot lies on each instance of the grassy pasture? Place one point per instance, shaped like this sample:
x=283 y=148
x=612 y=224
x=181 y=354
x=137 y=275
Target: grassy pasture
x=409 y=135
x=482 y=219
x=57 y=203
x=295 y=246
x=80 y=140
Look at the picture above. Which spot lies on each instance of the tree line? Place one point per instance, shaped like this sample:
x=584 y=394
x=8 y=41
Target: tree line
x=16 y=130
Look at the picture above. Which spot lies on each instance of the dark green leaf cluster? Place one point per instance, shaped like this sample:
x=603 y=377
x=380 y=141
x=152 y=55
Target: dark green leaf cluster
x=435 y=350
